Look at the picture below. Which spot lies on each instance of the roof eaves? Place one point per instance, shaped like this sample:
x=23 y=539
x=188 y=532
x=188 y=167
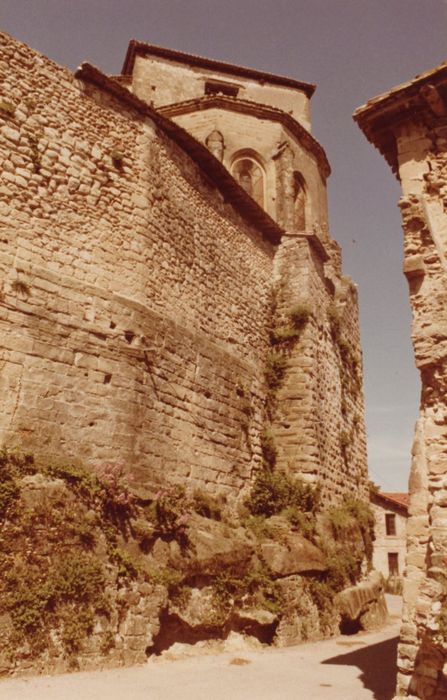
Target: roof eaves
x=257 y=109
x=380 y=116
x=403 y=90
x=216 y=172
x=391 y=499
x=140 y=47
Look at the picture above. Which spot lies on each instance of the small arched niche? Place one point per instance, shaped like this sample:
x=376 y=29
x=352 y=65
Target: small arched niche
x=215 y=143
x=248 y=172
x=299 y=201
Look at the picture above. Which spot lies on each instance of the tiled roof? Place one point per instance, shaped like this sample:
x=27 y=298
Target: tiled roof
x=393 y=499
x=402 y=498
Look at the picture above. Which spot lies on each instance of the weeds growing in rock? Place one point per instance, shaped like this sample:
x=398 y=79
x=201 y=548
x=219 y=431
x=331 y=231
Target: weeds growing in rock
x=171 y=510
x=21 y=288
x=268 y=447
x=7 y=108
x=206 y=505
x=299 y=315
x=275 y=370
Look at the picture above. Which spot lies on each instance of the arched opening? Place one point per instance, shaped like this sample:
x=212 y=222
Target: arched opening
x=249 y=174
x=299 y=201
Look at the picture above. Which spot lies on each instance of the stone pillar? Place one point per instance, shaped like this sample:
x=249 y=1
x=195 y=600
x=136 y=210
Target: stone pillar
x=318 y=419
x=409 y=126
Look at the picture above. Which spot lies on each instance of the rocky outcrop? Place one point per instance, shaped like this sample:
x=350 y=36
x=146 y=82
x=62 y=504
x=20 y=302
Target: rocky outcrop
x=91 y=577
x=216 y=546
x=363 y=606
x=295 y=555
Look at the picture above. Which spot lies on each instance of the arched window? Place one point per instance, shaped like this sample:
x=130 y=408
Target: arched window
x=249 y=174
x=299 y=205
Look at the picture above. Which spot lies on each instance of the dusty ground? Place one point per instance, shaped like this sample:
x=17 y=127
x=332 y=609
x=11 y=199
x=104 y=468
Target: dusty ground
x=359 y=667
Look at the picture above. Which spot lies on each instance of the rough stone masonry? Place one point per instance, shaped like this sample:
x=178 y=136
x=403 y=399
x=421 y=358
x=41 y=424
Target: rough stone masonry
x=409 y=127
x=157 y=229
x=172 y=310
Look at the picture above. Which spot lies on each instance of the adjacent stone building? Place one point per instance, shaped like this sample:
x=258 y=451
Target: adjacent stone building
x=409 y=127
x=390 y=544
x=164 y=248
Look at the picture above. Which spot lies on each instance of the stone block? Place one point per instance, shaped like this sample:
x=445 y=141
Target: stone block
x=414 y=266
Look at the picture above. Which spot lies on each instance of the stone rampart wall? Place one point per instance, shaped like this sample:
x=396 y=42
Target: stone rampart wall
x=320 y=415
x=134 y=305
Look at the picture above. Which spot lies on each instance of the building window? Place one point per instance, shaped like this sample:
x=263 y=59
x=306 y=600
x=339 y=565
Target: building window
x=390 y=524
x=214 y=87
x=249 y=174
x=393 y=563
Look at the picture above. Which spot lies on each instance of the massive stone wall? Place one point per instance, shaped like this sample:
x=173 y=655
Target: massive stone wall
x=144 y=301
x=134 y=300
x=409 y=126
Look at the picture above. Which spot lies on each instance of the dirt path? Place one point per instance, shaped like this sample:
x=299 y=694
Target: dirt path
x=361 y=667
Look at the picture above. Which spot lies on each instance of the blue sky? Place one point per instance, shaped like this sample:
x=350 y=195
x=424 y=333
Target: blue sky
x=353 y=50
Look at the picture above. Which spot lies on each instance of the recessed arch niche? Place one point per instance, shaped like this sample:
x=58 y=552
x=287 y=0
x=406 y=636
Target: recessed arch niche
x=249 y=173
x=299 y=201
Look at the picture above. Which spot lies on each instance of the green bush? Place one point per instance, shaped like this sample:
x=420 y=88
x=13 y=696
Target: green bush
x=261 y=528
x=9 y=493
x=303 y=522
x=171 y=509
x=79 y=478
x=12 y=467
x=126 y=567
x=353 y=517
x=232 y=588
x=272 y=492
x=66 y=595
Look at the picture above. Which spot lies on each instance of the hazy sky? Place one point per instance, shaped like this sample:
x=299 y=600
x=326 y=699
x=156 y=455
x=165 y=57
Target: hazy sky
x=352 y=50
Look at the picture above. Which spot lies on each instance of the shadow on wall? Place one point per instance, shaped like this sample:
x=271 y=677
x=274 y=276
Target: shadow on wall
x=377 y=664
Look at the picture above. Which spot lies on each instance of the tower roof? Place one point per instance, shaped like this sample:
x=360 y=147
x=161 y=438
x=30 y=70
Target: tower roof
x=142 y=48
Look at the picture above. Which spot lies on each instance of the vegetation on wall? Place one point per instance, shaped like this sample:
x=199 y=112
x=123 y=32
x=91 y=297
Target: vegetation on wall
x=71 y=539
x=275 y=492
x=349 y=367
x=296 y=319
